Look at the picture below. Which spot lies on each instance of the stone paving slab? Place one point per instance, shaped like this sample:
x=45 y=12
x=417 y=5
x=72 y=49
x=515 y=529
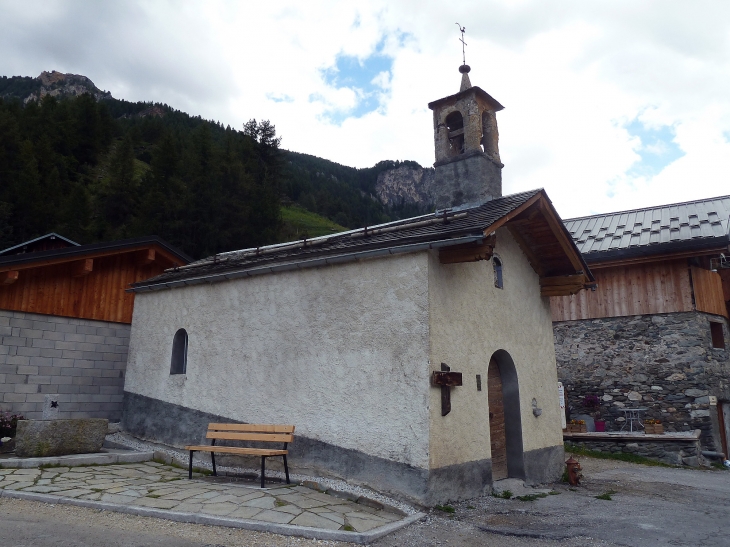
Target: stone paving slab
x=164 y=491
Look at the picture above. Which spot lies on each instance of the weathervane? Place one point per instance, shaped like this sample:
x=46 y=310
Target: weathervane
x=463 y=43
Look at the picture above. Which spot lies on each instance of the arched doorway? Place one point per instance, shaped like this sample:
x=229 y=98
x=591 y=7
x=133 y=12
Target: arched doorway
x=505 y=421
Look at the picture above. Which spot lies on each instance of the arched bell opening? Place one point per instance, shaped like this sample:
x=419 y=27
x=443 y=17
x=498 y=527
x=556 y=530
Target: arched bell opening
x=505 y=420
x=455 y=126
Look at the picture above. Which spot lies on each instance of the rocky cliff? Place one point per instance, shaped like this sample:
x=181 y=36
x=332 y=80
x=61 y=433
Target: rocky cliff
x=56 y=84
x=405 y=186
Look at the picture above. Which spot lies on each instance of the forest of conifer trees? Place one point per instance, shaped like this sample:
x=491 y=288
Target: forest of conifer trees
x=98 y=171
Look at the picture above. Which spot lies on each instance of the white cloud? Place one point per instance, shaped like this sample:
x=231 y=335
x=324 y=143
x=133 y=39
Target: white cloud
x=571 y=75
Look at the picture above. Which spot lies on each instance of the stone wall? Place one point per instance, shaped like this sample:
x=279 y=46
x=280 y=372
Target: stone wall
x=81 y=362
x=663 y=362
x=674 y=452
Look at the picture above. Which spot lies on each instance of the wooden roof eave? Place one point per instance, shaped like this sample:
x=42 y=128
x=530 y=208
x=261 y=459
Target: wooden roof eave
x=51 y=261
x=577 y=276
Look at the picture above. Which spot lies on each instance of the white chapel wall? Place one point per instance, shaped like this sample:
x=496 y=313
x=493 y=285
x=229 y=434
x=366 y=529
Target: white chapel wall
x=341 y=352
x=470 y=320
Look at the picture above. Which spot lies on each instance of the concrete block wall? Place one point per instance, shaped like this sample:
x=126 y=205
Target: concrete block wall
x=79 y=361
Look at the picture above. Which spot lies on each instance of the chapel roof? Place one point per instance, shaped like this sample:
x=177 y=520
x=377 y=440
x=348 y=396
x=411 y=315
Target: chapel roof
x=536 y=226
x=690 y=225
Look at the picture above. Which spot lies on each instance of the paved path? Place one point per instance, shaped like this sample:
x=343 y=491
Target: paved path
x=162 y=487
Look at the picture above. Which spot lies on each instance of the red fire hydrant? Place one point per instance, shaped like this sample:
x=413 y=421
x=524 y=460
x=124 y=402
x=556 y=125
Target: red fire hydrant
x=573 y=468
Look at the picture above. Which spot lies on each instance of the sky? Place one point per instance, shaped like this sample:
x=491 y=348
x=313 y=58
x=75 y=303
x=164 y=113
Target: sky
x=609 y=105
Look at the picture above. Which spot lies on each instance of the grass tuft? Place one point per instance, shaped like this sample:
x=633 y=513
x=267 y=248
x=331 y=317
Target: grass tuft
x=504 y=494
x=446 y=508
x=606 y=495
x=532 y=497
x=621 y=456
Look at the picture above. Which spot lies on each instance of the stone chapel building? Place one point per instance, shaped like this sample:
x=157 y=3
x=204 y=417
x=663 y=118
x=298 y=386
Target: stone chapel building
x=415 y=357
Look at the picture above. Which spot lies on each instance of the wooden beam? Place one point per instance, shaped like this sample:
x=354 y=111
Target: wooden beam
x=532 y=258
x=8 y=278
x=564 y=290
x=565 y=241
x=564 y=285
x=82 y=267
x=469 y=252
x=563 y=280
x=145 y=257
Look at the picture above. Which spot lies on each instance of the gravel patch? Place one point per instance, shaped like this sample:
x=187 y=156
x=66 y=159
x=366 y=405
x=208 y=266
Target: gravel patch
x=181 y=457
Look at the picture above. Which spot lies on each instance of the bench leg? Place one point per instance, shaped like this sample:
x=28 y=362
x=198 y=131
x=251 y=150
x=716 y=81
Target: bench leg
x=263 y=470
x=190 y=466
x=212 y=457
x=286 y=470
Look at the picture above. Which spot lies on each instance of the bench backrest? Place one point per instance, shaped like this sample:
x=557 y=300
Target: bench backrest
x=251 y=432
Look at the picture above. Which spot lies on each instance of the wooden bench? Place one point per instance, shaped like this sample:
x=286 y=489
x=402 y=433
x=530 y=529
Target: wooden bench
x=245 y=432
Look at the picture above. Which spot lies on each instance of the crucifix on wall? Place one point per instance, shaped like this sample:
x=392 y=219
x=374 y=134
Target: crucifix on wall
x=446 y=380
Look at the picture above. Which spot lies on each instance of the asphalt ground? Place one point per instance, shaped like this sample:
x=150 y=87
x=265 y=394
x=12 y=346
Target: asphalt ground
x=649 y=506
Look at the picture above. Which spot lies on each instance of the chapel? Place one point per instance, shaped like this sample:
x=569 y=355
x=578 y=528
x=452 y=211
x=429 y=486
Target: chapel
x=415 y=357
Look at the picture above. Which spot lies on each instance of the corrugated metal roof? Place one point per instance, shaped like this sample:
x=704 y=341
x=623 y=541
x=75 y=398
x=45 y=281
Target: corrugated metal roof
x=473 y=222
x=698 y=220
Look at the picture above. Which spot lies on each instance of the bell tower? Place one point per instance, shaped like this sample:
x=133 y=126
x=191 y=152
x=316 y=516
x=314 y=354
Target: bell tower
x=466 y=141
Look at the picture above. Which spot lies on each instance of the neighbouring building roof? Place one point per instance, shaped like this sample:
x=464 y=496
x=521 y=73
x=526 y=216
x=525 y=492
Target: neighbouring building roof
x=537 y=228
x=77 y=251
x=42 y=243
x=700 y=224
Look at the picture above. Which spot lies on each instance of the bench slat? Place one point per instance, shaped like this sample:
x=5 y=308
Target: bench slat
x=253 y=428
x=269 y=437
x=237 y=450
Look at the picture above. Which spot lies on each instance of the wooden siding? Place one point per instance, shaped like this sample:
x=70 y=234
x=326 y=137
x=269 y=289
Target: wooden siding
x=99 y=294
x=707 y=286
x=658 y=287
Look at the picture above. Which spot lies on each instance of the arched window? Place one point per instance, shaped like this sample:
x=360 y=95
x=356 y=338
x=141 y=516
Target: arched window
x=497 y=264
x=179 y=361
x=455 y=126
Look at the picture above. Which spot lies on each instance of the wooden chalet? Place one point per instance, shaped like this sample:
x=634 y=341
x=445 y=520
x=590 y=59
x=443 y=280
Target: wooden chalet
x=65 y=318
x=52 y=275
x=656 y=260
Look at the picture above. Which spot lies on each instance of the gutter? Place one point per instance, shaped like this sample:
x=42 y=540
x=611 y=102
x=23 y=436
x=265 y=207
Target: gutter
x=719 y=243
x=305 y=264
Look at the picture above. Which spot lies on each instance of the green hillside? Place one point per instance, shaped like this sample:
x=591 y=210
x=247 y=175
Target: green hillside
x=298 y=223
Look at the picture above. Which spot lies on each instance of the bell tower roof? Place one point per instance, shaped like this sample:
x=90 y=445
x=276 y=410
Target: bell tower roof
x=478 y=92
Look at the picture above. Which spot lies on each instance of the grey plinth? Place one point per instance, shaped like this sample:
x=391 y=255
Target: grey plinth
x=39 y=438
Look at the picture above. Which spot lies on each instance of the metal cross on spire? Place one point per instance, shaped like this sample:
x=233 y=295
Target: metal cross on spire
x=463 y=43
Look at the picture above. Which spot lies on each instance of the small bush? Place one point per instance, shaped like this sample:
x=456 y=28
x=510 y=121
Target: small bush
x=445 y=508
x=504 y=494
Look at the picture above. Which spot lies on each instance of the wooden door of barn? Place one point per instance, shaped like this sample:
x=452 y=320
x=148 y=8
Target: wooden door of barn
x=497 y=435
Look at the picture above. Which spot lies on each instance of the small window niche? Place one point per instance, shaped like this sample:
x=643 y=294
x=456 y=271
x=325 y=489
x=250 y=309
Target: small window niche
x=497 y=265
x=179 y=361
x=718 y=337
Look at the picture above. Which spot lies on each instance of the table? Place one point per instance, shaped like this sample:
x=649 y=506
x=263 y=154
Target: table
x=633 y=416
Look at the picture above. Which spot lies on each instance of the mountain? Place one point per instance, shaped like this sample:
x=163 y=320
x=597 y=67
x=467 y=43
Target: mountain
x=55 y=84
x=76 y=161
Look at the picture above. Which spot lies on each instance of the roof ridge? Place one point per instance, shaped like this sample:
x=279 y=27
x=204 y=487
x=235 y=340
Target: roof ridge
x=646 y=208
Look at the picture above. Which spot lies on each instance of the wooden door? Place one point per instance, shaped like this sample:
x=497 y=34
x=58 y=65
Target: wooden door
x=496 y=422
x=723 y=415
